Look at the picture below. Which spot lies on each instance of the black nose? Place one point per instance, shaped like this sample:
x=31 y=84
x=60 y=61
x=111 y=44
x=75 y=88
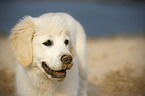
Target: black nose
x=66 y=59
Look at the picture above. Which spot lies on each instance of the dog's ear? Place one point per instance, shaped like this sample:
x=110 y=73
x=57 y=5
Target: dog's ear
x=21 y=40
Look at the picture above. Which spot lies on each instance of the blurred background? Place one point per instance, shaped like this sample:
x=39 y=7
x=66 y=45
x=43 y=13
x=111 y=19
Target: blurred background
x=99 y=17
x=115 y=43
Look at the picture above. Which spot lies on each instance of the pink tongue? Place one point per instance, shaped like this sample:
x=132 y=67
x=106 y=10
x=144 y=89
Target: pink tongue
x=60 y=73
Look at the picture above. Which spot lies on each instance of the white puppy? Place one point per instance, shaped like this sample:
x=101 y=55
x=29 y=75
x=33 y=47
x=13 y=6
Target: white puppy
x=51 y=51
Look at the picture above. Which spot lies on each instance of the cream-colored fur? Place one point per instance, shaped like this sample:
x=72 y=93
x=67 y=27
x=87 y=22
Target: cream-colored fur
x=27 y=38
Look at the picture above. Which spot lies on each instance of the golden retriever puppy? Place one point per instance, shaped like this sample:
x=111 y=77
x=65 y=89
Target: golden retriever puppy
x=51 y=50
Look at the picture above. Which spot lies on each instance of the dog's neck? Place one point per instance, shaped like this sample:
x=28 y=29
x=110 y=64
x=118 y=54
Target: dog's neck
x=33 y=77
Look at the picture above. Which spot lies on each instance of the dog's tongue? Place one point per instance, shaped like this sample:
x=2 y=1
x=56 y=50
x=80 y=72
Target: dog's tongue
x=59 y=74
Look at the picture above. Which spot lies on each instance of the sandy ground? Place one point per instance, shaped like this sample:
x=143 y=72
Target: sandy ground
x=116 y=67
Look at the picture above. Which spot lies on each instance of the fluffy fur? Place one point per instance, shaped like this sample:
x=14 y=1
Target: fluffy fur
x=27 y=42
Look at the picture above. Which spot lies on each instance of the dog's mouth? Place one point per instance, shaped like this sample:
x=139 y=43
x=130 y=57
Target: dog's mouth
x=57 y=75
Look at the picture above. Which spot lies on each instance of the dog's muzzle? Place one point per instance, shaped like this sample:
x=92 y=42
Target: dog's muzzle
x=59 y=74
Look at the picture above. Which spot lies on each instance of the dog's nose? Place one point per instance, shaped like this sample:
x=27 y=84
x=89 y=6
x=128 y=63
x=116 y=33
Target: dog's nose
x=66 y=59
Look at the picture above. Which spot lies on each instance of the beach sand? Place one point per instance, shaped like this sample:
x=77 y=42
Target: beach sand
x=116 y=67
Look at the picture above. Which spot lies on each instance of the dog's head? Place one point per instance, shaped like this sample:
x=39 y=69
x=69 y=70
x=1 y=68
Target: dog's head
x=45 y=43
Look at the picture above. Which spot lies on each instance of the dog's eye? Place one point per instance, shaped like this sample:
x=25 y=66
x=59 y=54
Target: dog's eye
x=66 y=42
x=48 y=43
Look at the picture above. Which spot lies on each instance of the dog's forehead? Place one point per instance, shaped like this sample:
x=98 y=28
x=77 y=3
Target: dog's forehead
x=51 y=26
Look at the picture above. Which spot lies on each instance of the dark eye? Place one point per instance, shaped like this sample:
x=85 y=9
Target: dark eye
x=66 y=42
x=48 y=43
